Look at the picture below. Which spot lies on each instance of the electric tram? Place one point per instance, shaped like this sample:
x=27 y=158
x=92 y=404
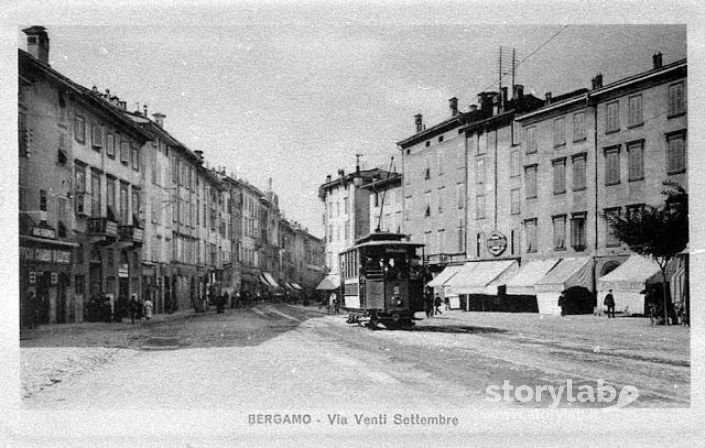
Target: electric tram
x=383 y=280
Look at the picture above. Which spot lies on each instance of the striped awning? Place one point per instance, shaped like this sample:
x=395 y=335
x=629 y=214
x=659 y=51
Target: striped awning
x=329 y=283
x=569 y=272
x=444 y=276
x=530 y=273
x=632 y=275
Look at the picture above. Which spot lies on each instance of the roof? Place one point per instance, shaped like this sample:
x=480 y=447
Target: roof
x=83 y=94
x=632 y=275
x=387 y=243
x=366 y=175
x=528 y=275
x=392 y=180
x=568 y=272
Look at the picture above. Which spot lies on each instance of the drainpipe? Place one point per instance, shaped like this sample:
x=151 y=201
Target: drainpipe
x=467 y=213
x=597 y=211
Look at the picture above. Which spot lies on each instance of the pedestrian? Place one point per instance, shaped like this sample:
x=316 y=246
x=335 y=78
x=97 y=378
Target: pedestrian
x=561 y=303
x=33 y=310
x=220 y=304
x=148 y=305
x=331 y=303
x=428 y=302
x=609 y=303
x=121 y=308
x=226 y=299
x=107 y=308
x=134 y=308
x=336 y=306
x=446 y=300
x=437 y=302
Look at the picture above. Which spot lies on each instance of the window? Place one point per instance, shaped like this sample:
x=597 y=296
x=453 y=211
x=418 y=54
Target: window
x=135 y=156
x=79 y=129
x=636 y=116
x=559 y=176
x=153 y=166
x=110 y=145
x=635 y=153
x=439 y=162
x=530 y=181
x=23 y=135
x=579 y=132
x=427 y=204
x=124 y=152
x=427 y=173
x=675 y=157
x=480 y=206
x=559 y=131
x=531 y=146
x=80 y=179
x=480 y=170
x=440 y=200
x=174 y=170
x=512 y=242
x=136 y=207
x=345 y=204
x=478 y=245
x=460 y=195
x=559 y=232
x=124 y=213
x=612 y=123
x=481 y=144
x=634 y=209
x=579 y=173
x=577 y=238
x=611 y=240
x=43 y=200
x=460 y=155
x=612 y=166
x=95 y=194
x=676 y=99
x=461 y=236
x=530 y=229
x=514 y=163
x=97 y=136
x=515 y=201
x=492 y=140
x=441 y=241
x=440 y=139
x=516 y=133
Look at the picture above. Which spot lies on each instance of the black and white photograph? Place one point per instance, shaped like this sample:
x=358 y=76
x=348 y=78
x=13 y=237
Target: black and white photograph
x=394 y=224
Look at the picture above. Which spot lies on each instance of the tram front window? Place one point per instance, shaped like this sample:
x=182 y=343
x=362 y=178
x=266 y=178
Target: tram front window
x=396 y=265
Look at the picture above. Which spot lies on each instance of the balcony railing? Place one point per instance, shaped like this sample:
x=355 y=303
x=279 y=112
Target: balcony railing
x=102 y=227
x=132 y=234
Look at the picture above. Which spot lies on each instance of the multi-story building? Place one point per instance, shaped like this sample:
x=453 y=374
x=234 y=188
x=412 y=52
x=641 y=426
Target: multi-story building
x=80 y=190
x=594 y=153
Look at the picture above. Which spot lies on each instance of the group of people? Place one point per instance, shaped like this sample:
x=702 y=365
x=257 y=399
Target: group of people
x=101 y=308
x=433 y=304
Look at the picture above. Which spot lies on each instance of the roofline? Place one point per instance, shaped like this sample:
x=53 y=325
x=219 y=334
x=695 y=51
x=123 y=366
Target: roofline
x=553 y=106
x=85 y=94
x=433 y=130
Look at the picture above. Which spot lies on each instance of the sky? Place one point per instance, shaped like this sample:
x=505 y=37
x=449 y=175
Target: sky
x=295 y=100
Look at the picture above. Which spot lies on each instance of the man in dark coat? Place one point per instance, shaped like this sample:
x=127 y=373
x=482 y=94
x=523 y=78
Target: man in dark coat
x=437 y=302
x=428 y=302
x=609 y=303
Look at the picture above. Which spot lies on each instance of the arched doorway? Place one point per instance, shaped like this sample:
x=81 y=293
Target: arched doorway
x=609 y=267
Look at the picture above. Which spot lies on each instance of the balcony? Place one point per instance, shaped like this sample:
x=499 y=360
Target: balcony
x=131 y=234
x=102 y=229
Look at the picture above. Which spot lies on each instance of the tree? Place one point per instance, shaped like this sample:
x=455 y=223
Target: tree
x=659 y=233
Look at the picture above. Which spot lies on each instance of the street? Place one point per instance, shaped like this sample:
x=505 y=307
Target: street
x=275 y=357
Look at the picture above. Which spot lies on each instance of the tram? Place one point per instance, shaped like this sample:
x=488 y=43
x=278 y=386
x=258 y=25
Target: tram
x=382 y=280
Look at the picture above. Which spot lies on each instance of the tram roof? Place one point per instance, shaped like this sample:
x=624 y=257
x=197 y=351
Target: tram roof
x=387 y=243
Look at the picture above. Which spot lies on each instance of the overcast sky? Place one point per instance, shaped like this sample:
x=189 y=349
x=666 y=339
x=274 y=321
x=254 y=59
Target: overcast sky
x=296 y=99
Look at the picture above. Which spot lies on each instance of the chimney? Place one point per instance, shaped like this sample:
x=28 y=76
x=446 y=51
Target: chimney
x=473 y=107
x=418 y=119
x=504 y=98
x=38 y=43
x=198 y=152
x=329 y=178
x=453 y=102
x=597 y=81
x=159 y=118
x=658 y=60
x=341 y=172
x=517 y=91
x=145 y=110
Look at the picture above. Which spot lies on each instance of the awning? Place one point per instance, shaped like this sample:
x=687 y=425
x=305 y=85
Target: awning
x=297 y=286
x=263 y=280
x=522 y=283
x=481 y=277
x=329 y=282
x=270 y=279
x=444 y=276
x=632 y=275
x=569 y=272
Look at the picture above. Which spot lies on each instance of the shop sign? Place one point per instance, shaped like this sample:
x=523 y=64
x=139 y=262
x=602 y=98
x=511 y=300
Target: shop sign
x=496 y=243
x=47 y=255
x=123 y=271
x=43 y=232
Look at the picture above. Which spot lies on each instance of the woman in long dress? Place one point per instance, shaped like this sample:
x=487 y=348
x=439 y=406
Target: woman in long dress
x=148 y=305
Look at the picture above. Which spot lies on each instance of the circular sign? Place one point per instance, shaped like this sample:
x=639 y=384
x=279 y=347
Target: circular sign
x=496 y=243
